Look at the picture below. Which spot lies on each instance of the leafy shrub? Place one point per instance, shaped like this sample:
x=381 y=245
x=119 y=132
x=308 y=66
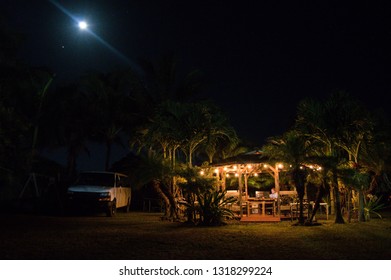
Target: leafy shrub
x=213 y=207
x=372 y=206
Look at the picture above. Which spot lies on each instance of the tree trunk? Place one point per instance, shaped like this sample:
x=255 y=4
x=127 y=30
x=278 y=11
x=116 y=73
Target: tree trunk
x=301 y=208
x=348 y=205
x=338 y=211
x=332 y=206
x=299 y=179
x=156 y=187
x=361 y=204
x=319 y=195
x=190 y=158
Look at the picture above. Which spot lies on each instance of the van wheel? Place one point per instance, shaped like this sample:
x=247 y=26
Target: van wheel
x=112 y=209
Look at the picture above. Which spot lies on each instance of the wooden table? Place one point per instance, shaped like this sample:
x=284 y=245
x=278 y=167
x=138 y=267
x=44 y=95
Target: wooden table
x=312 y=204
x=263 y=203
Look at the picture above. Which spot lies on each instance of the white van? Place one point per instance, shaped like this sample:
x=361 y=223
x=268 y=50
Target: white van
x=106 y=191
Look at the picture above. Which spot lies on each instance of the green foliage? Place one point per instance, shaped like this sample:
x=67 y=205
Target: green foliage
x=210 y=208
x=372 y=206
x=204 y=204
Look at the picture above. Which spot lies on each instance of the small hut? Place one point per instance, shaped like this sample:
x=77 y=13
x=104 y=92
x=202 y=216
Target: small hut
x=260 y=207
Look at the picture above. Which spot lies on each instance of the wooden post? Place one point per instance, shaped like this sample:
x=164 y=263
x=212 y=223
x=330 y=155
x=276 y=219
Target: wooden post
x=223 y=180
x=245 y=185
x=277 y=186
x=240 y=191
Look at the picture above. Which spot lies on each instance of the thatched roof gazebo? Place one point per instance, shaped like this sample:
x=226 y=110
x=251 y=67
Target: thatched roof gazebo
x=243 y=166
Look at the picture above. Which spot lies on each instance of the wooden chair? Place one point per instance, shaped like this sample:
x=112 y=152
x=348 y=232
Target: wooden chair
x=295 y=209
x=270 y=208
x=286 y=198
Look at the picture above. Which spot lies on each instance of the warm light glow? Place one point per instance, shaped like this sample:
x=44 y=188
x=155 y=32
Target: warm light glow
x=319 y=168
x=202 y=172
x=227 y=175
x=235 y=167
x=280 y=166
x=301 y=167
x=265 y=165
x=225 y=168
x=256 y=174
x=236 y=175
x=249 y=166
x=217 y=170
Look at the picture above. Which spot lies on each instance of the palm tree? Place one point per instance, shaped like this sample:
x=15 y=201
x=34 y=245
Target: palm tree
x=172 y=127
x=372 y=164
x=324 y=124
x=13 y=130
x=323 y=176
x=109 y=107
x=203 y=125
x=159 y=132
x=28 y=99
x=342 y=129
x=71 y=112
x=222 y=136
x=294 y=150
x=164 y=82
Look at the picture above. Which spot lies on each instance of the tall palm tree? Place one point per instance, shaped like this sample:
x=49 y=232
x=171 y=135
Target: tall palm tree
x=373 y=164
x=323 y=123
x=222 y=136
x=340 y=126
x=294 y=150
x=164 y=80
x=74 y=123
x=28 y=99
x=109 y=107
x=158 y=132
x=174 y=125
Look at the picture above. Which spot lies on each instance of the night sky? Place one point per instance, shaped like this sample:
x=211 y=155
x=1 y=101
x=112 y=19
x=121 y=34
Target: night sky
x=259 y=58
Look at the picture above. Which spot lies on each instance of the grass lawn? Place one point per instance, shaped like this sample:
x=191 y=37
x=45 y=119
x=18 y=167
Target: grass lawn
x=143 y=236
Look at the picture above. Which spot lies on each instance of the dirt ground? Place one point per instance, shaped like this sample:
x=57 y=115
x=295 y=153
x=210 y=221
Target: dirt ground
x=144 y=236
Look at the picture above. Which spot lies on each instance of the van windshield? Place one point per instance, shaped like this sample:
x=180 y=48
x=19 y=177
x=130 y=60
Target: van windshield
x=95 y=179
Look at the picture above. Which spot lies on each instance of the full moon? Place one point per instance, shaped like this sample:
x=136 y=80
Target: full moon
x=83 y=25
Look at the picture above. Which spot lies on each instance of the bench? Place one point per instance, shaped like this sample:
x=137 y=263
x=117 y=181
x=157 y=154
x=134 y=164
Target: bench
x=286 y=198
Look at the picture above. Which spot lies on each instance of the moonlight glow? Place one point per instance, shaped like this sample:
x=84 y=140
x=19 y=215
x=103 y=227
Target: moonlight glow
x=83 y=25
